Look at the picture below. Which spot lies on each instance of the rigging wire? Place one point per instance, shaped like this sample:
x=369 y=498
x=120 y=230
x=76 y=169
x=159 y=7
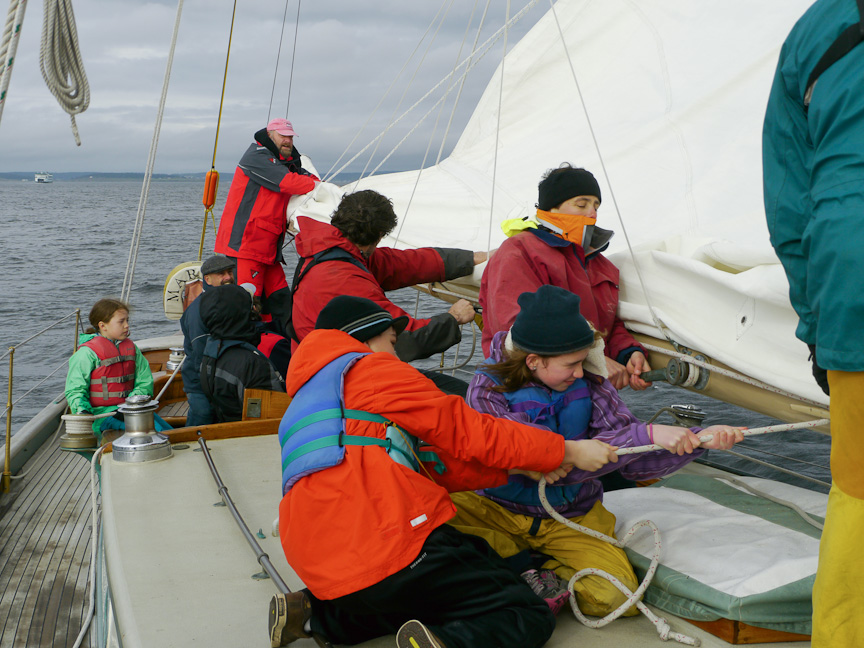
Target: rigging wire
x=9 y=46
x=431 y=137
x=410 y=81
x=497 y=132
x=464 y=78
x=293 y=57
x=278 y=58
x=467 y=63
x=60 y=60
x=660 y=326
x=151 y=162
x=329 y=175
x=213 y=175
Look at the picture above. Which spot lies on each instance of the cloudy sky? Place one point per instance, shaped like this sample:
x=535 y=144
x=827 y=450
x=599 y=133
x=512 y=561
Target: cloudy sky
x=347 y=55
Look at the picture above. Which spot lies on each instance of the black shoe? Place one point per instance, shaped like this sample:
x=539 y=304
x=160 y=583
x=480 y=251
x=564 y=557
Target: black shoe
x=414 y=634
x=288 y=614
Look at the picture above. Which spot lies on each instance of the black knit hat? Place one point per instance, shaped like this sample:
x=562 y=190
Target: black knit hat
x=359 y=317
x=563 y=184
x=549 y=322
x=217 y=263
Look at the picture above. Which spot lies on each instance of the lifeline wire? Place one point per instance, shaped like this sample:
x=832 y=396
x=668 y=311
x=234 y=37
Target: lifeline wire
x=94 y=541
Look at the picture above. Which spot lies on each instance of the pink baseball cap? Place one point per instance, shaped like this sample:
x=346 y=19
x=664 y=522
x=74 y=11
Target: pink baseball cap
x=281 y=126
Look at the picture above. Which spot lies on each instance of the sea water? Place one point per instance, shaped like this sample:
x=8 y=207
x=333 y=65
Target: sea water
x=67 y=244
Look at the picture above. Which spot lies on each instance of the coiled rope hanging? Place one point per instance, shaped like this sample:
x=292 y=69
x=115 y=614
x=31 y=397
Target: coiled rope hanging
x=60 y=60
x=9 y=45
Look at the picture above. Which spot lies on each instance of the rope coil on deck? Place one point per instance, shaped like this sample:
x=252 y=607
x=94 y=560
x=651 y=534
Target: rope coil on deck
x=633 y=598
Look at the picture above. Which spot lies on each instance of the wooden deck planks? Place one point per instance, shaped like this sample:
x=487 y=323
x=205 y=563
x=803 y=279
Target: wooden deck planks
x=45 y=548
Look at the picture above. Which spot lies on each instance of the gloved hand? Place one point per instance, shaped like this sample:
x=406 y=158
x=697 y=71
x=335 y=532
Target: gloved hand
x=820 y=375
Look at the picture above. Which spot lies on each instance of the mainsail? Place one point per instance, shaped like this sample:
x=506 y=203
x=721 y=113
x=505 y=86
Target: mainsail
x=674 y=96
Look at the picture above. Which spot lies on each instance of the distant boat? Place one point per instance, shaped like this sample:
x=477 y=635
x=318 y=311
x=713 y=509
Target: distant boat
x=43 y=178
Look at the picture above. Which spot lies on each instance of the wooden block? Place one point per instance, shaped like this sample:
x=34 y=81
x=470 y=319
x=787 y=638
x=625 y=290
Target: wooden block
x=273 y=404
x=739 y=633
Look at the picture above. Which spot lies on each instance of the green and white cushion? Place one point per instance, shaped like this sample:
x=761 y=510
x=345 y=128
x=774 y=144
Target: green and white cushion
x=726 y=552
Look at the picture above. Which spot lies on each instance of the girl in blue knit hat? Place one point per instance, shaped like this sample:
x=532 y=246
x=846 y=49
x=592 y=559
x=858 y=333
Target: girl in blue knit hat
x=549 y=371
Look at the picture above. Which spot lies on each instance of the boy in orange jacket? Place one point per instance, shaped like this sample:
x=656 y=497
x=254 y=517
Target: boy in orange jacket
x=362 y=518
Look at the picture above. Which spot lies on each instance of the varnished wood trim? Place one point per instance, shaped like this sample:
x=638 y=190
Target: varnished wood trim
x=739 y=633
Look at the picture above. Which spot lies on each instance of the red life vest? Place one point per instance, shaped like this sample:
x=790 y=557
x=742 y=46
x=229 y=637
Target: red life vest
x=113 y=380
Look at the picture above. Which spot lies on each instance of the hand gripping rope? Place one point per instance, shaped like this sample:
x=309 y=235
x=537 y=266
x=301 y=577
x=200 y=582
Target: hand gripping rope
x=663 y=628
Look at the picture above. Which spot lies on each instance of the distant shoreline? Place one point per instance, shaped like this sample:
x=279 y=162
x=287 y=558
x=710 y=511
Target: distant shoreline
x=78 y=176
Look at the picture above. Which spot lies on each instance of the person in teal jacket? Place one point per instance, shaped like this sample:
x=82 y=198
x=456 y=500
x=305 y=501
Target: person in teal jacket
x=107 y=367
x=813 y=165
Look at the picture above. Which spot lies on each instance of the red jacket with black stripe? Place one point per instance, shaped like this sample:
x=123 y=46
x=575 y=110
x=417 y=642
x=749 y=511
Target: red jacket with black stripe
x=253 y=222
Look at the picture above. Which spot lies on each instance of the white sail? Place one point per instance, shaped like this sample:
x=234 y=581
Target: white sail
x=675 y=93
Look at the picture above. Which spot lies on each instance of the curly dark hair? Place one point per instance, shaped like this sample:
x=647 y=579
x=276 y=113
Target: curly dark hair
x=364 y=217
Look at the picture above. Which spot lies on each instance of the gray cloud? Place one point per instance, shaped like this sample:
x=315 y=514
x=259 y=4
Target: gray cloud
x=347 y=55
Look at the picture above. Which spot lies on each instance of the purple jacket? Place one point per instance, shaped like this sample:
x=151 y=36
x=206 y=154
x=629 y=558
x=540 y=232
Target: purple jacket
x=611 y=422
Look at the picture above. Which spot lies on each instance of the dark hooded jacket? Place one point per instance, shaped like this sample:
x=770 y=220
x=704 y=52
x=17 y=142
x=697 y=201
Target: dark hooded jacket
x=231 y=363
x=195 y=336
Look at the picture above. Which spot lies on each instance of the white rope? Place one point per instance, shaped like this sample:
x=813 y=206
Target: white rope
x=9 y=45
x=151 y=162
x=94 y=541
x=729 y=374
x=633 y=598
x=60 y=60
x=705 y=438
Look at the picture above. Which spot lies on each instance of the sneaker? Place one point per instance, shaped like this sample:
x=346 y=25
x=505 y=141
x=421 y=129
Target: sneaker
x=414 y=634
x=288 y=614
x=549 y=587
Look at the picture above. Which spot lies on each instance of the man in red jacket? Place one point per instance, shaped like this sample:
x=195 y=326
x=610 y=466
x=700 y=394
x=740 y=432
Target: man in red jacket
x=364 y=525
x=343 y=258
x=253 y=223
x=562 y=246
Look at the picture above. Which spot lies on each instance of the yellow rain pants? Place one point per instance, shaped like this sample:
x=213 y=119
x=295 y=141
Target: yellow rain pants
x=508 y=534
x=838 y=594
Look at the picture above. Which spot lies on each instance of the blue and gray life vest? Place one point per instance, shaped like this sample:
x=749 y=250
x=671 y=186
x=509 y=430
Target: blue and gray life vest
x=567 y=413
x=312 y=432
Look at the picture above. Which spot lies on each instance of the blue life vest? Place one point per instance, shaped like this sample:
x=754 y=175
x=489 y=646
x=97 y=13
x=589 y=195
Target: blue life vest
x=312 y=431
x=567 y=413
